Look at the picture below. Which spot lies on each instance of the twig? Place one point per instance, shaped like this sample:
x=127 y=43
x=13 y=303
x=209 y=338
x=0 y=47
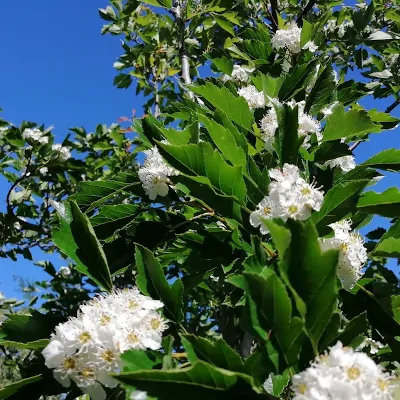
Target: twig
x=156 y=94
x=272 y=15
x=305 y=11
x=245 y=346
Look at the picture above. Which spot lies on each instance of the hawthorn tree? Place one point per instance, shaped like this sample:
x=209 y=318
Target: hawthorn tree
x=235 y=243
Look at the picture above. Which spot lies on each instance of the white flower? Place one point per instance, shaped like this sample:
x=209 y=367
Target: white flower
x=373 y=346
x=59 y=207
x=310 y=45
x=138 y=395
x=239 y=74
x=328 y=110
x=254 y=98
x=63 y=152
x=343 y=374
x=288 y=38
x=345 y=163
x=307 y=124
x=330 y=26
x=86 y=349
x=343 y=27
x=290 y=196
x=43 y=170
x=154 y=174
x=352 y=253
x=65 y=272
x=35 y=135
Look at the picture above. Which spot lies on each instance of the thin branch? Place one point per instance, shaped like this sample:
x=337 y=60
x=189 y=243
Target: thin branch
x=274 y=14
x=305 y=11
x=10 y=208
x=393 y=106
x=156 y=94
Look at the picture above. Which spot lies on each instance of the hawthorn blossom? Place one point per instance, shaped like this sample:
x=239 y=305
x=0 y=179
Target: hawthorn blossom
x=352 y=253
x=65 y=272
x=86 y=349
x=290 y=39
x=345 y=163
x=63 y=152
x=343 y=374
x=254 y=98
x=290 y=196
x=43 y=170
x=372 y=345
x=36 y=135
x=307 y=124
x=240 y=74
x=154 y=174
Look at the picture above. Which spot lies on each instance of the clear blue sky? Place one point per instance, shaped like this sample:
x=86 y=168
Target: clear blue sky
x=57 y=69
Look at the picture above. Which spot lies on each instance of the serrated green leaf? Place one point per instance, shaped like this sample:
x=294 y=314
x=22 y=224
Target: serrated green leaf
x=386 y=204
x=322 y=93
x=350 y=124
x=225 y=141
x=356 y=327
x=138 y=360
x=87 y=249
x=201 y=380
x=235 y=107
x=152 y=282
x=223 y=64
x=203 y=161
x=218 y=353
x=317 y=288
x=267 y=84
x=388 y=160
x=13 y=388
x=338 y=202
x=389 y=245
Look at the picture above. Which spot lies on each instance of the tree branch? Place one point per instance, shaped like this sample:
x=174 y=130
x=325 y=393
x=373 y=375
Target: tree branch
x=305 y=11
x=156 y=94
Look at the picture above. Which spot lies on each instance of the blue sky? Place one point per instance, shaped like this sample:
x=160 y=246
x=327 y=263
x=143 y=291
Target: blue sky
x=57 y=69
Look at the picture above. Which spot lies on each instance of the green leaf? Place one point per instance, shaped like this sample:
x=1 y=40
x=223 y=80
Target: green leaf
x=138 y=360
x=338 y=202
x=225 y=141
x=388 y=160
x=111 y=213
x=322 y=93
x=351 y=91
x=276 y=384
x=356 y=327
x=201 y=380
x=298 y=80
x=88 y=248
x=201 y=160
x=386 y=120
x=123 y=81
x=28 y=330
x=269 y=311
x=13 y=388
x=267 y=84
x=317 y=287
x=35 y=345
x=152 y=282
x=223 y=64
x=386 y=204
x=98 y=192
x=389 y=245
x=218 y=353
x=351 y=124
x=331 y=150
x=225 y=25
x=287 y=140
x=235 y=107
x=307 y=33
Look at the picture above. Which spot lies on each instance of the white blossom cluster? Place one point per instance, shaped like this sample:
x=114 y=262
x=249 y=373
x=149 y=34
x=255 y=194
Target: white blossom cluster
x=372 y=345
x=290 y=196
x=86 y=349
x=65 y=272
x=239 y=74
x=307 y=124
x=352 y=253
x=345 y=163
x=35 y=135
x=254 y=98
x=63 y=152
x=290 y=39
x=343 y=374
x=154 y=174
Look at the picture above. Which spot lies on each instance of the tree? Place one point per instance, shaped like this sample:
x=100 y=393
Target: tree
x=242 y=220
